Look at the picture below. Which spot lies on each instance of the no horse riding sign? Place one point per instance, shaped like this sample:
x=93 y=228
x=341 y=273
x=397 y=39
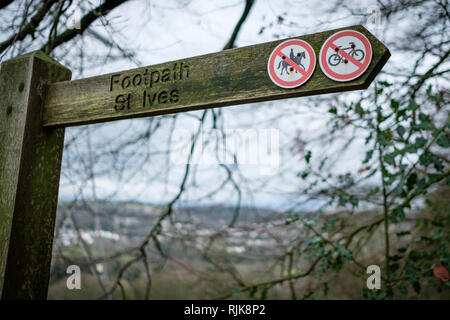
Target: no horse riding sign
x=297 y=61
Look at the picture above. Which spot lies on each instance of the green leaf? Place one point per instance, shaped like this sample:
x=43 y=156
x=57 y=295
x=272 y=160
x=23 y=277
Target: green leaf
x=369 y=155
x=437 y=236
x=421 y=185
x=437 y=223
x=384 y=83
x=413 y=105
x=333 y=110
x=394 y=105
x=308 y=156
x=368 y=138
x=353 y=201
x=425 y=123
x=329 y=223
x=344 y=251
x=358 y=274
x=402 y=233
x=420 y=142
x=411 y=272
x=252 y=291
x=400 y=130
x=389 y=158
x=373 y=192
x=264 y=292
x=384 y=137
x=411 y=181
x=358 y=109
x=410 y=148
x=397 y=214
x=443 y=141
x=402 y=288
x=425 y=159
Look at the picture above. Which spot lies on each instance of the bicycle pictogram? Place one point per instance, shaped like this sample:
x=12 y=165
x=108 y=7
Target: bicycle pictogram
x=335 y=59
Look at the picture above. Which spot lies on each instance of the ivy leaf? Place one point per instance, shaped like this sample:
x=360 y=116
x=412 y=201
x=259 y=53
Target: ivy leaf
x=369 y=155
x=437 y=236
x=402 y=288
x=412 y=273
x=384 y=83
x=413 y=105
x=308 y=156
x=421 y=185
x=368 y=138
x=333 y=110
x=400 y=130
x=389 y=158
x=252 y=291
x=394 y=105
x=433 y=177
x=411 y=181
x=438 y=164
x=410 y=148
x=420 y=142
x=397 y=214
x=443 y=141
x=358 y=109
x=344 y=251
x=425 y=159
x=384 y=137
x=304 y=175
x=425 y=123
x=329 y=223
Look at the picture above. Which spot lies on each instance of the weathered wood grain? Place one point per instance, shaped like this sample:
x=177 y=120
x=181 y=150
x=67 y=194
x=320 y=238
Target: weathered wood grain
x=30 y=162
x=225 y=78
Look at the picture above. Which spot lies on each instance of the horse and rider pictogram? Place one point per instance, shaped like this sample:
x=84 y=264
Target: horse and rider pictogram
x=297 y=58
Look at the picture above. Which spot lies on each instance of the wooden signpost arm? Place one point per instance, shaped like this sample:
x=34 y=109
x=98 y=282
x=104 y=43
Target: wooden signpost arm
x=30 y=162
x=214 y=80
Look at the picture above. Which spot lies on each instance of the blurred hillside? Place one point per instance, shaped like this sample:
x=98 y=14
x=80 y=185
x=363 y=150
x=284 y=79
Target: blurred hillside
x=251 y=246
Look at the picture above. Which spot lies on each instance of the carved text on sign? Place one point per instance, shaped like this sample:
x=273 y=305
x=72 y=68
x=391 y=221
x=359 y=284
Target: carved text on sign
x=147 y=80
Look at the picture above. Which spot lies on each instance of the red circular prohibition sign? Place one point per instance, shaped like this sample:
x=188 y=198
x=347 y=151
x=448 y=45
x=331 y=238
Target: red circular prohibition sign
x=361 y=67
x=305 y=74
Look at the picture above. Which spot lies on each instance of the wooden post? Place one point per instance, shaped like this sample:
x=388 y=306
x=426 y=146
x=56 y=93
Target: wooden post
x=30 y=163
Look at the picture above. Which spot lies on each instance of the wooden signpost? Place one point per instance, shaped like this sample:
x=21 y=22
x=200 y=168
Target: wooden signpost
x=38 y=100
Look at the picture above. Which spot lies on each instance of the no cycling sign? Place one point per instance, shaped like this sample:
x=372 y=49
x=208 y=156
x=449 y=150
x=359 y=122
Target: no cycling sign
x=345 y=55
x=291 y=63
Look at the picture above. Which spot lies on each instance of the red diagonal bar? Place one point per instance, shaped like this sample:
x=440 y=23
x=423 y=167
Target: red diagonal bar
x=291 y=63
x=346 y=55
